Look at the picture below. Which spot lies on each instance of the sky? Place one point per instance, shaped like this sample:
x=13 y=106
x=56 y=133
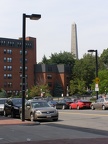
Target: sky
x=53 y=30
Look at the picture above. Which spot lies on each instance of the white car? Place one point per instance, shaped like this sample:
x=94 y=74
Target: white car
x=2 y=102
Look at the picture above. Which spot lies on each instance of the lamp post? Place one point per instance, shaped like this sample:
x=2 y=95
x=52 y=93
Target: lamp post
x=96 y=69
x=32 y=17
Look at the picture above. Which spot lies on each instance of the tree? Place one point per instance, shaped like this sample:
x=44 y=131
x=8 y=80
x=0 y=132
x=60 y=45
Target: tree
x=103 y=84
x=3 y=93
x=38 y=89
x=58 y=90
x=60 y=58
x=104 y=56
x=84 y=69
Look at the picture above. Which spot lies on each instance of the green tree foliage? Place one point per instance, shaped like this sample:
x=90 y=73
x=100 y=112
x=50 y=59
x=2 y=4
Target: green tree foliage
x=38 y=89
x=103 y=84
x=60 y=58
x=3 y=93
x=45 y=60
x=104 y=56
x=77 y=87
x=58 y=90
x=84 y=69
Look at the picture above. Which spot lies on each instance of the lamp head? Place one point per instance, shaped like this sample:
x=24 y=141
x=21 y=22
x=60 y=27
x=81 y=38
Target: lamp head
x=91 y=50
x=35 y=16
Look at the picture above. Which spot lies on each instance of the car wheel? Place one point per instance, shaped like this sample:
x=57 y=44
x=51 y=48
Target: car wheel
x=12 y=114
x=31 y=117
x=92 y=107
x=55 y=119
x=63 y=107
x=5 y=114
x=103 y=107
x=78 y=107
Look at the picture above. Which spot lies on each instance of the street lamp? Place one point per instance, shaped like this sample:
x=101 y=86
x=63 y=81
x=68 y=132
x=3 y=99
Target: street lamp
x=32 y=17
x=96 y=68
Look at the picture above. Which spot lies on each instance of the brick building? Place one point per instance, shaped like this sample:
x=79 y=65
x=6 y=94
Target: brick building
x=56 y=76
x=11 y=68
x=11 y=64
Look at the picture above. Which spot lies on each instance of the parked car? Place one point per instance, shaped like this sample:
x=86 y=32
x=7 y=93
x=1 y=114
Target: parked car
x=63 y=104
x=12 y=106
x=2 y=102
x=52 y=103
x=39 y=110
x=80 y=104
x=101 y=103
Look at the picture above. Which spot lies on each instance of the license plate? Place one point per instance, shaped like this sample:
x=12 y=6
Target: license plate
x=48 y=116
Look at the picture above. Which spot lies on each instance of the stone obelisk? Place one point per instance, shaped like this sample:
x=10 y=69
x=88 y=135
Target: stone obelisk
x=74 y=44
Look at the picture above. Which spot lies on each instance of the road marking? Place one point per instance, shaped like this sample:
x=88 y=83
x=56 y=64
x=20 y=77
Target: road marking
x=85 y=114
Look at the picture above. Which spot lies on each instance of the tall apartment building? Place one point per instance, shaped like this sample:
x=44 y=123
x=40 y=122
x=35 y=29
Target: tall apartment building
x=11 y=64
x=74 y=43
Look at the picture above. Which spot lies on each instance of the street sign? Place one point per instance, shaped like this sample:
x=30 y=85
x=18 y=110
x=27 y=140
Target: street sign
x=97 y=80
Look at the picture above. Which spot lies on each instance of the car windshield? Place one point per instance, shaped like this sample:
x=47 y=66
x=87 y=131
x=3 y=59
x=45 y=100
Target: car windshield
x=40 y=104
x=17 y=101
x=2 y=101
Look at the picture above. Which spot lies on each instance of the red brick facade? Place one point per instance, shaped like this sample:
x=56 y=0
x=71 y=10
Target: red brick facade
x=11 y=64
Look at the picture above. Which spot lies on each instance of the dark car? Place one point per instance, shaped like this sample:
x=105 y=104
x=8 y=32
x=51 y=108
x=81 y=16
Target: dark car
x=12 y=106
x=52 y=103
x=63 y=104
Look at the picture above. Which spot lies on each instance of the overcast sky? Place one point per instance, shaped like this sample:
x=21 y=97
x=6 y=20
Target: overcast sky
x=53 y=30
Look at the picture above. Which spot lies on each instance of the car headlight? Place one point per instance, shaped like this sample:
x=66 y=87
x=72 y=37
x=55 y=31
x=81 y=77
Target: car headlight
x=38 y=112
x=16 y=108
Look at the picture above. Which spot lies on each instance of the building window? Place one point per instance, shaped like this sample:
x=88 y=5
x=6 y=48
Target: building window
x=19 y=44
x=20 y=68
x=20 y=52
x=4 y=75
x=4 y=59
x=10 y=43
x=25 y=52
x=20 y=84
x=4 y=67
x=25 y=60
x=9 y=84
x=9 y=68
x=9 y=76
x=49 y=84
x=9 y=51
x=4 y=51
x=9 y=59
x=26 y=68
x=20 y=75
x=49 y=76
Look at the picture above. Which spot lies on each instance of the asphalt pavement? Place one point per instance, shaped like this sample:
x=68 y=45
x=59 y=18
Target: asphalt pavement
x=14 y=131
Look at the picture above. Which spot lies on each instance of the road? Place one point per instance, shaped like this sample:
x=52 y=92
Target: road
x=72 y=124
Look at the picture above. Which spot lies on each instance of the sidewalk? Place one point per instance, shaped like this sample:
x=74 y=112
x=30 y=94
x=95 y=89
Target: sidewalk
x=11 y=121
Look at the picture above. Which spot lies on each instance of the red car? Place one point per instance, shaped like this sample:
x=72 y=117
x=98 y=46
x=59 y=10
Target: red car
x=80 y=104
